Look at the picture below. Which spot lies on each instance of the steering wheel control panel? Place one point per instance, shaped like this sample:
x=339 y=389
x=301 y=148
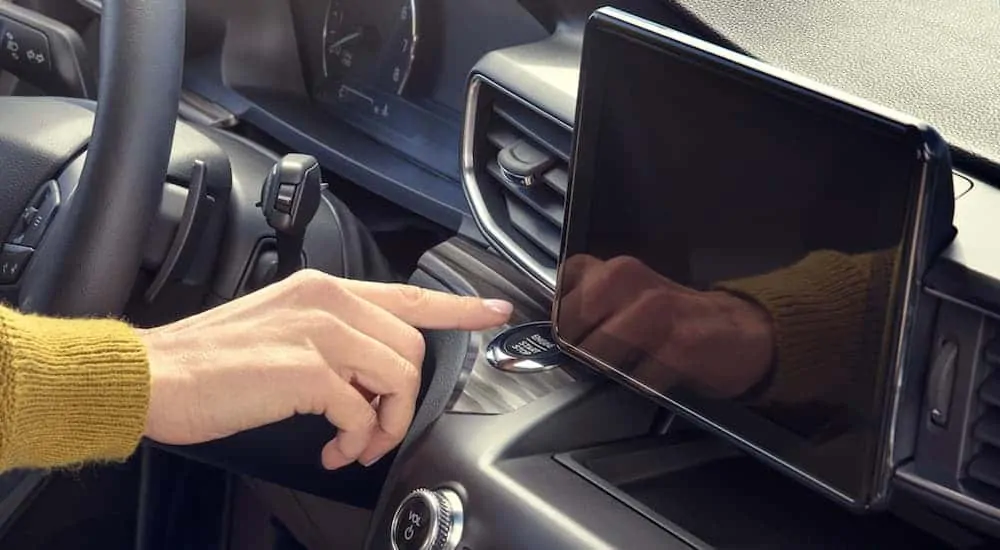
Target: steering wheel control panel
x=28 y=232
x=44 y=51
x=428 y=520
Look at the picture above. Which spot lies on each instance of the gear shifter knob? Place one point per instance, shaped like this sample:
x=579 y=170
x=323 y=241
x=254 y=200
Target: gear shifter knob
x=291 y=194
x=289 y=200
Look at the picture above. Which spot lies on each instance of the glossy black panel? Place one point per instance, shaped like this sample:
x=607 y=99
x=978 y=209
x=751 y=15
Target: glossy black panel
x=739 y=242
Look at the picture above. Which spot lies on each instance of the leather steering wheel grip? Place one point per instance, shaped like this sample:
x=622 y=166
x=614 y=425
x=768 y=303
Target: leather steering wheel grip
x=89 y=261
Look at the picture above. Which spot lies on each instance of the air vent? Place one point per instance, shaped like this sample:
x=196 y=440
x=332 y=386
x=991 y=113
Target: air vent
x=984 y=468
x=516 y=171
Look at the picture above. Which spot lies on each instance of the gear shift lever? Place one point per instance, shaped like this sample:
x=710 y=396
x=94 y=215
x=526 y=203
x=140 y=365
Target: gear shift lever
x=289 y=200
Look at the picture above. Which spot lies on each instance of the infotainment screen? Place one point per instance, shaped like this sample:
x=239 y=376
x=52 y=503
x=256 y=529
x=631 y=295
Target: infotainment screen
x=742 y=244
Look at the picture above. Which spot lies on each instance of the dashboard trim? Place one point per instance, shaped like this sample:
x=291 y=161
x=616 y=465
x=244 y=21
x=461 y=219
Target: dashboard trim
x=570 y=461
x=949 y=494
x=960 y=302
x=484 y=220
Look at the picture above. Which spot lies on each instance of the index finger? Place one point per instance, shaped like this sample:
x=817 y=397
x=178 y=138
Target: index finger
x=576 y=268
x=423 y=308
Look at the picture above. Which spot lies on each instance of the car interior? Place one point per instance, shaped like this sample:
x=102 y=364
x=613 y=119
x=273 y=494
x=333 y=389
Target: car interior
x=161 y=157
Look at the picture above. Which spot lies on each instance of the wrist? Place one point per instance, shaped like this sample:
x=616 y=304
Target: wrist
x=163 y=382
x=750 y=330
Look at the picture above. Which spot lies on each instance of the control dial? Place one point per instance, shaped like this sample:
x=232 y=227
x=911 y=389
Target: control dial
x=428 y=520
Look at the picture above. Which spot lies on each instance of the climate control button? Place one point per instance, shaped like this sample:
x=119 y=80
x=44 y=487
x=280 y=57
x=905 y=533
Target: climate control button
x=428 y=520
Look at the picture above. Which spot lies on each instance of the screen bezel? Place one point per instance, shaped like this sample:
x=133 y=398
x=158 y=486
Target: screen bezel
x=927 y=146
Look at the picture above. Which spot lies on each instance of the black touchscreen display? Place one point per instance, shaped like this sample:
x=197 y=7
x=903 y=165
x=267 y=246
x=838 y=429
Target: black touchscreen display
x=739 y=246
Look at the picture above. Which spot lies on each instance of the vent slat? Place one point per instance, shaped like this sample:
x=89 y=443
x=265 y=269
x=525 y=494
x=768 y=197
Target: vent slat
x=992 y=353
x=520 y=207
x=985 y=467
x=534 y=228
x=987 y=428
x=545 y=133
x=501 y=137
x=539 y=197
x=558 y=179
x=989 y=392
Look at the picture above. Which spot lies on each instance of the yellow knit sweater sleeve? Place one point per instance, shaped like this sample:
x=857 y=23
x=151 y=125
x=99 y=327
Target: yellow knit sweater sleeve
x=71 y=390
x=827 y=311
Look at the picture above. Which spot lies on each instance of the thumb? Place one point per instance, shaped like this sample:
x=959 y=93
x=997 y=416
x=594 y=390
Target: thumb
x=423 y=308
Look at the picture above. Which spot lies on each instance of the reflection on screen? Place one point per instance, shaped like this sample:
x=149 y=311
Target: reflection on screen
x=735 y=248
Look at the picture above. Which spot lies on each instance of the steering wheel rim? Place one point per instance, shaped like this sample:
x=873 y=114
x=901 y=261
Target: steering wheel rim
x=89 y=260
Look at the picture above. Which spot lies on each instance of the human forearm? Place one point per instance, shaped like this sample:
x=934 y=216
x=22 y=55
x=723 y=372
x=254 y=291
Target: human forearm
x=70 y=390
x=818 y=308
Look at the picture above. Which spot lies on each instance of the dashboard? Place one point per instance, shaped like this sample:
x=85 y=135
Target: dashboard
x=375 y=89
x=415 y=99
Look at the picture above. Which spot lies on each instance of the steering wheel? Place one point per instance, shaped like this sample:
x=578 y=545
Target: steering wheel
x=89 y=256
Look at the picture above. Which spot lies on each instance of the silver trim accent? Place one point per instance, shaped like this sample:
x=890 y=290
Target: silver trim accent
x=468 y=364
x=498 y=358
x=911 y=294
x=483 y=389
x=520 y=181
x=950 y=494
x=457 y=518
x=447 y=518
x=960 y=302
x=880 y=492
x=481 y=214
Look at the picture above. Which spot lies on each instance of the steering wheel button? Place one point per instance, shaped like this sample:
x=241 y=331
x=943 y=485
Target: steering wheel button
x=24 y=46
x=13 y=258
x=36 y=217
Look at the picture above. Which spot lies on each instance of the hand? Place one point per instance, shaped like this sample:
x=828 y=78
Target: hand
x=311 y=344
x=713 y=342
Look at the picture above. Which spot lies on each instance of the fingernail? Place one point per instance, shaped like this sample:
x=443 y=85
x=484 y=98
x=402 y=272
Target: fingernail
x=502 y=307
x=373 y=460
x=336 y=463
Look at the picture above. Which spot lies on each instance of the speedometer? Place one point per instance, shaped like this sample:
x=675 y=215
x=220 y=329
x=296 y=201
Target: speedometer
x=368 y=45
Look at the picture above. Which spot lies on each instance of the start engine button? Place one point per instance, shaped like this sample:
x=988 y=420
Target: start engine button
x=428 y=520
x=524 y=348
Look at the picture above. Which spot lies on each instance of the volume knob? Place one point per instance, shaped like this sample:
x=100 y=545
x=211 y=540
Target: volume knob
x=428 y=520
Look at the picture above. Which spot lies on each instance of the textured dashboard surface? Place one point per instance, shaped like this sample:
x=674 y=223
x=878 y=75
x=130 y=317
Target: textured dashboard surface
x=935 y=59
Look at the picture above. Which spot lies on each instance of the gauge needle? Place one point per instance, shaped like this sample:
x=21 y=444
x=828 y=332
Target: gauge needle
x=340 y=43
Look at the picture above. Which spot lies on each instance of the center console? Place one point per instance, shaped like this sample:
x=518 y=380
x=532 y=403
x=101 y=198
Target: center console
x=532 y=450
x=559 y=457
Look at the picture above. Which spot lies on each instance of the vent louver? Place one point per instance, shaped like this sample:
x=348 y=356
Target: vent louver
x=516 y=172
x=984 y=467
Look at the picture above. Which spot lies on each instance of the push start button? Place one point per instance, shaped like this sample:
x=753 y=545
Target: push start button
x=525 y=348
x=428 y=520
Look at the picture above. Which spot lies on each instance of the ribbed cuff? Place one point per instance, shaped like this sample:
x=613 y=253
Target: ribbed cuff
x=817 y=307
x=72 y=391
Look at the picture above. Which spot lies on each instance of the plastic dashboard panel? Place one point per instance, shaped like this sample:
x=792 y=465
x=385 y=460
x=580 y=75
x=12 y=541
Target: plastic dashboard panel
x=935 y=59
x=411 y=160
